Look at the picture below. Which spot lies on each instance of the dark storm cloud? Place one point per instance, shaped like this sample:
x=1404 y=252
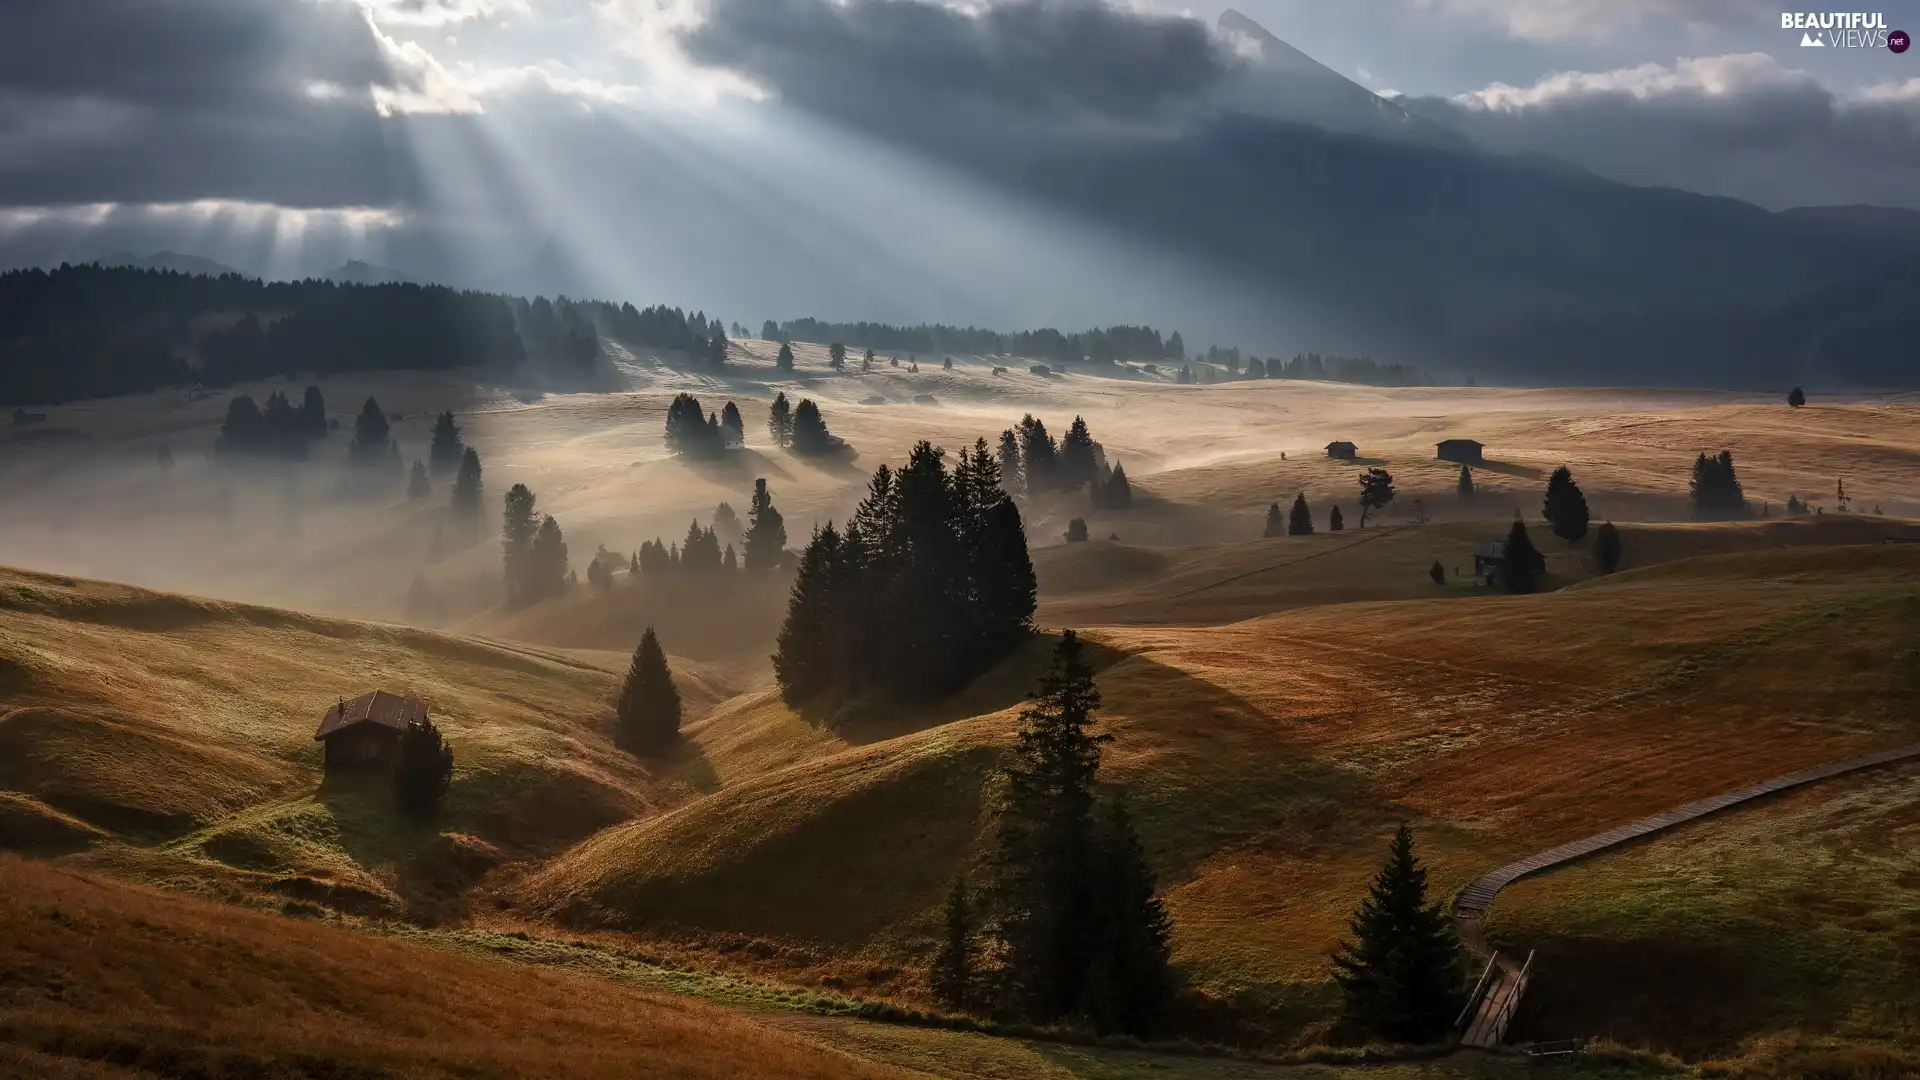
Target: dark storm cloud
x=1051 y=58
x=176 y=100
x=1742 y=126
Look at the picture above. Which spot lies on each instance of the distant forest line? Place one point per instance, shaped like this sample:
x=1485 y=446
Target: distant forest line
x=89 y=331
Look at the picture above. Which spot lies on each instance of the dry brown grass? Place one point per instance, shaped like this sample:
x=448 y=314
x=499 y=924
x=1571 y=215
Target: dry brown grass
x=105 y=979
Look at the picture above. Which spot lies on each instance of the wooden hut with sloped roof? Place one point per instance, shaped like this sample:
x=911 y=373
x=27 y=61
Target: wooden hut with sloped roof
x=365 y=733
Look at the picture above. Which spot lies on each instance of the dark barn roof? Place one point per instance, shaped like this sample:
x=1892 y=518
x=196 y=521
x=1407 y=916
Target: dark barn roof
x=1475 y=443
x=379 y=707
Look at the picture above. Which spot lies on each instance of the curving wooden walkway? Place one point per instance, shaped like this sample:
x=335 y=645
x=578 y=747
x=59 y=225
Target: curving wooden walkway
x=1507 y=980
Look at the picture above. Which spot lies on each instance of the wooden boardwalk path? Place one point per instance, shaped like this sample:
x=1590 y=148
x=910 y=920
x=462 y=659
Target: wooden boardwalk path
x=1493 y=1007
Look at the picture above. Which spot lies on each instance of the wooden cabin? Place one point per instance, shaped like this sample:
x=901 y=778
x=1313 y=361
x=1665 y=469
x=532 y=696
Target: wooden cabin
x=1490 y=562
x=365 y=733
x=1342 y=451
x=1462 y=452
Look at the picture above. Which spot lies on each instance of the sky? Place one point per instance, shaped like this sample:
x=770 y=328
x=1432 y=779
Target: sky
x=782 y=157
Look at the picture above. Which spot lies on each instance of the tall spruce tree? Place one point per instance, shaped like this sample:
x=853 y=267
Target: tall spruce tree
x=784 y=362
x=1569 y=510
x=1715 y=488
x=780 y=421
x=519 y=525
x=468 y=493
x=837 y=356
x=418 y=486
x=1465 y=486
x=1045 y=852
x=1300 y=520
x=313 y=414
x=810 y=434
x=766 y=537
x=1523 y=564
x=1336 y=522
x=1400 y=976
x=547 y=570
x=807 y=660
x=424 y=771
x=732 y=426
x=1039 y=457
x=954 y=972
x=647 y=713
x=1078 y=466
x=1128 y=980
x=447 y=450
x=372 y=437
x=1557 y=485
x=1606 y=548
x=1012 y=477
x=1276 y=522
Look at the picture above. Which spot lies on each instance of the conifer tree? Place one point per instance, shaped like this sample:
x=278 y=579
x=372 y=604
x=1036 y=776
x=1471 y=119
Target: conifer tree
x=313 y=414
x=1012 y=476
x=467 y=489
x=947 y=364
x=547 y=563
x=372 y=437
x=1300 y=519
x=866 y=362
x=244 y=429
x=780 y=421
x=807 y=660
x=1115 y=493
x=1077 y=465
x=1715 y=488
x=1076 y=530
x=953 y=974
x=418 y=486
x=1796 y=397
x=1465 y=486
x=1127 y=982
x=1039 y=457
x=732 y=426
x=1566 y=506
x=1437 y=572
x=784 y=362
x=726 y=523
x=519 y=524
x=691 y=432
x=1045 y=845
x=446 y=450
x=1400 y=976
x=810 y=434
x=1606 y=548
x=766 y=538
x=1376 y=492
x=1523 y=564
x=837 y=356
x=647 y=714
x=729 y=562
x=425 y=769
x=1336 y=522
x=718 y=346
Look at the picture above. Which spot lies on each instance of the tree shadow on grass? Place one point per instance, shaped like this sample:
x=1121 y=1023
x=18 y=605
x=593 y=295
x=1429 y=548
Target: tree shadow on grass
x=739 y=468
x=1507 y=468
x=838 y=461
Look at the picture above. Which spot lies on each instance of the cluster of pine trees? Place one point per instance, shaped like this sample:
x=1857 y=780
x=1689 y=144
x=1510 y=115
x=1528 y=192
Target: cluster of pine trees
x=1298 y=521
x=281 y=430
x=666 y=328
x=533 y=550
x=799 y=428
x=1031 y=462
x=1715 y=488
x=558 y=330
x=1224 y=365
x=695 y=433
x=1100 y=346
x=698 y=555
x=1069 y=917
x=927 y=586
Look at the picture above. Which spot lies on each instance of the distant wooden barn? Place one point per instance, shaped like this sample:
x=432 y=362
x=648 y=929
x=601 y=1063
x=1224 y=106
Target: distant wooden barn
x=1342 y=451
x=1490 y=562
x=365 y=733
x=1462 y=451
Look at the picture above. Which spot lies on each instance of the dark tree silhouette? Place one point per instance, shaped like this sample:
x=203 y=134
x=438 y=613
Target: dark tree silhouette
x=546 y=563
x=1276 y=522
x=1566 y=506
x=1715 y=488
x=647 y=714
x=1606 y=548
x=766 y=537
x=1113 y=493
x=1400 y=976
x=837 y=356
x=446 y=450
x=1300 y=519
x=726 y=523
x=468 y=492
x=1076 y=530
x=954 y=967
x=1127 y=982
x=808 y=658
x=810 y=434
x=313 y=414
x=372 y=444
x=418 y=486
x=519 y=525
x=692 y=433
x=1039 y=457
x=780 y=421
x=784 y=362
x=1078 y=463
x=732 y=426
x=1376 y=492
x=1465 y=487
x=1337 y=522
x=1012 y=475
x=425 y=770
x=1523 y=564
x=1797 y=397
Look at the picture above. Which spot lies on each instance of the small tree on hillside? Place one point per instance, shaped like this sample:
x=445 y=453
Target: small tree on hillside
x=810 y=434
x=518 y=526
x=1276 y=522
x=732 y=426
x=372 y=437
x=1437 y=572
x=1715 y=488
x=1300 y=520
x=780 y=421
x=766 y=537
x=1076 y=530
x=1796 y=397
x=1606 y=548
x=1336 y=522
x=418 y=486
x=467 y=489
x=784 y=361
x=866 y=362
x=1465 y=487
x=1523 y=564
x=1565 y=506
x=547 y=570
x=446 y=450
x=953 y=974
x=647 y=714
x=837 y=356
x=947 y=364
x=1376 y=492
x=1012 y=475
x=424 y=771
x=1400 y=975
x=726 y=523
x=1114 y=493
